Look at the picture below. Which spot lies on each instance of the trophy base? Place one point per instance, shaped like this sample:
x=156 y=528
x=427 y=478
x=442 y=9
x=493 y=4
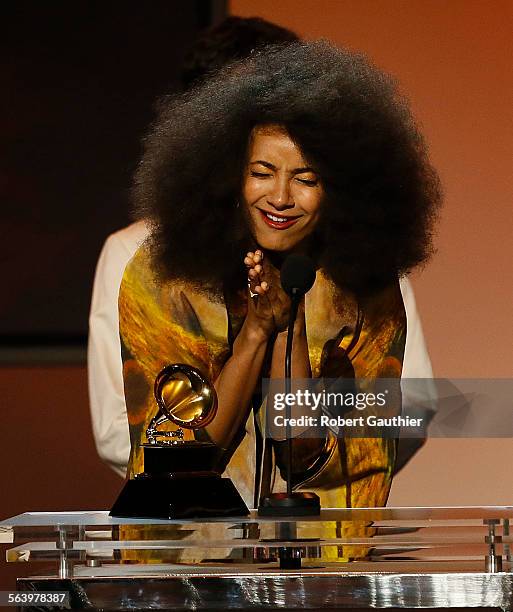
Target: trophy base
x=181 y=458
x=297 y=504
x=184 y=497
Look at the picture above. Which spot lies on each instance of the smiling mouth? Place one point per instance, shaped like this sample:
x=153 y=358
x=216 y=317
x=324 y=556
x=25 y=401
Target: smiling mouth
x=279 y=222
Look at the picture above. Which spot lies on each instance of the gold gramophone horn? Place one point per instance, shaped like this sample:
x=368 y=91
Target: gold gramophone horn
x=185 y=396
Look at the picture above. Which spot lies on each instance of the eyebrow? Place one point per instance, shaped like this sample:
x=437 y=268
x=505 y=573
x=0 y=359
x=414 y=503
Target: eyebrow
x=267 y=164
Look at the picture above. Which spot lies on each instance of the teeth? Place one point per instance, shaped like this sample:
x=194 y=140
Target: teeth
x=278 y=219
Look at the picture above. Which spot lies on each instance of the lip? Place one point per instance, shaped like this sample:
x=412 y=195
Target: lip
x=279 y=225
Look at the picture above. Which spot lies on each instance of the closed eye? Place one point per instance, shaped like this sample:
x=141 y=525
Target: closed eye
x=309 y=182
x=260 y=174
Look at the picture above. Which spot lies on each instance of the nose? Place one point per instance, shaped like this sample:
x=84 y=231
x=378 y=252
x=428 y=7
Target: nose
x=280 y=197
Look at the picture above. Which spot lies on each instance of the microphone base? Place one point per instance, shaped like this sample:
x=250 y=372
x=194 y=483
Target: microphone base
x=302 y=503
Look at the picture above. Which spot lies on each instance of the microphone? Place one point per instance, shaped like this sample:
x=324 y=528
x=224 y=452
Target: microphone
x=297 y=275
x=297 y=278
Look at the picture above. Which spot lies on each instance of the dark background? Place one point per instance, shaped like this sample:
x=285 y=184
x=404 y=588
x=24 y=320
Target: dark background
x=79 y=83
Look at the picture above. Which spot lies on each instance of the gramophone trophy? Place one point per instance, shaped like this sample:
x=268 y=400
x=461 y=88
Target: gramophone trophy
x=181 y=478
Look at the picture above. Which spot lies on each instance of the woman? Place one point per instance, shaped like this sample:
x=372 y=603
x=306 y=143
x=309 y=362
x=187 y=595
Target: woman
x=304 y=148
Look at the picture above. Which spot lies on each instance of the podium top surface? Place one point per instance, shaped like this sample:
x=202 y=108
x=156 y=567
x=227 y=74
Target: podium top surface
x=451 y=514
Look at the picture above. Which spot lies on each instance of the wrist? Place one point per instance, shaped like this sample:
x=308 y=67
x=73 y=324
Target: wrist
x=299 y=331
x=254 y=335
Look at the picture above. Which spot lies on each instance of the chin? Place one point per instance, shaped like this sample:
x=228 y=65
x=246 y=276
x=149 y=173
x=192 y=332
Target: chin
x=280 y=246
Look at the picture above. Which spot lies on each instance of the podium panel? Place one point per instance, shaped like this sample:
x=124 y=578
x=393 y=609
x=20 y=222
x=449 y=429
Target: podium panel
x=354 y=558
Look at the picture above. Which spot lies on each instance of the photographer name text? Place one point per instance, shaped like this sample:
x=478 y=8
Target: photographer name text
x=339 y=421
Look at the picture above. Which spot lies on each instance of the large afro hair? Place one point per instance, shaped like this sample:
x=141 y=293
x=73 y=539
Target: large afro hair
x=351 y=124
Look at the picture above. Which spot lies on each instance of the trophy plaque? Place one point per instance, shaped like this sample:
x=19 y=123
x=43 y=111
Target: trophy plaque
x=181 y=478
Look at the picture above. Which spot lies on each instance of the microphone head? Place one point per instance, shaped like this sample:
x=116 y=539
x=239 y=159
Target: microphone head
x=297 y=272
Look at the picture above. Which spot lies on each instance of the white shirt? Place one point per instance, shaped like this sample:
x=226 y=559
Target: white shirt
x=105 y=370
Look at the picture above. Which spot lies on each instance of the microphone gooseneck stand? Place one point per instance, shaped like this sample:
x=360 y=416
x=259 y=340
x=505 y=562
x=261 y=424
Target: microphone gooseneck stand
x=297 y=277
x=296 y=297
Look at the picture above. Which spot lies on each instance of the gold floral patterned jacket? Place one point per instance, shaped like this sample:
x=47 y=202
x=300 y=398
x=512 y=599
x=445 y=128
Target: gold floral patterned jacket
x=164 y=323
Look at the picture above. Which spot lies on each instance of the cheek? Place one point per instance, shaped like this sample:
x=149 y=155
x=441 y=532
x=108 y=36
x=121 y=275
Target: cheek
x=249 y=192
x=312 y=204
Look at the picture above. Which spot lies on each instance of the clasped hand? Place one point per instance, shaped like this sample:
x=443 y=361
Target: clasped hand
x=269 y=310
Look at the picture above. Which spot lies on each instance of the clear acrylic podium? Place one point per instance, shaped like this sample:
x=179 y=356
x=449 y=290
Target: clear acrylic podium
x=355 y=558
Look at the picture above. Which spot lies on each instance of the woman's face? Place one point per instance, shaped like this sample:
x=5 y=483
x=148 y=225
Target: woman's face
x=282 y=195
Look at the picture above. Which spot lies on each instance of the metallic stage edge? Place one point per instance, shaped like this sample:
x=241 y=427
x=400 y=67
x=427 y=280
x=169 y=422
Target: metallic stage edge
x=272 y=590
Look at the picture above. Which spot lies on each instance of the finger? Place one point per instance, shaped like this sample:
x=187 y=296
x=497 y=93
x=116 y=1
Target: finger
x=253 y=282
x=260 y=289
x=252 y=288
